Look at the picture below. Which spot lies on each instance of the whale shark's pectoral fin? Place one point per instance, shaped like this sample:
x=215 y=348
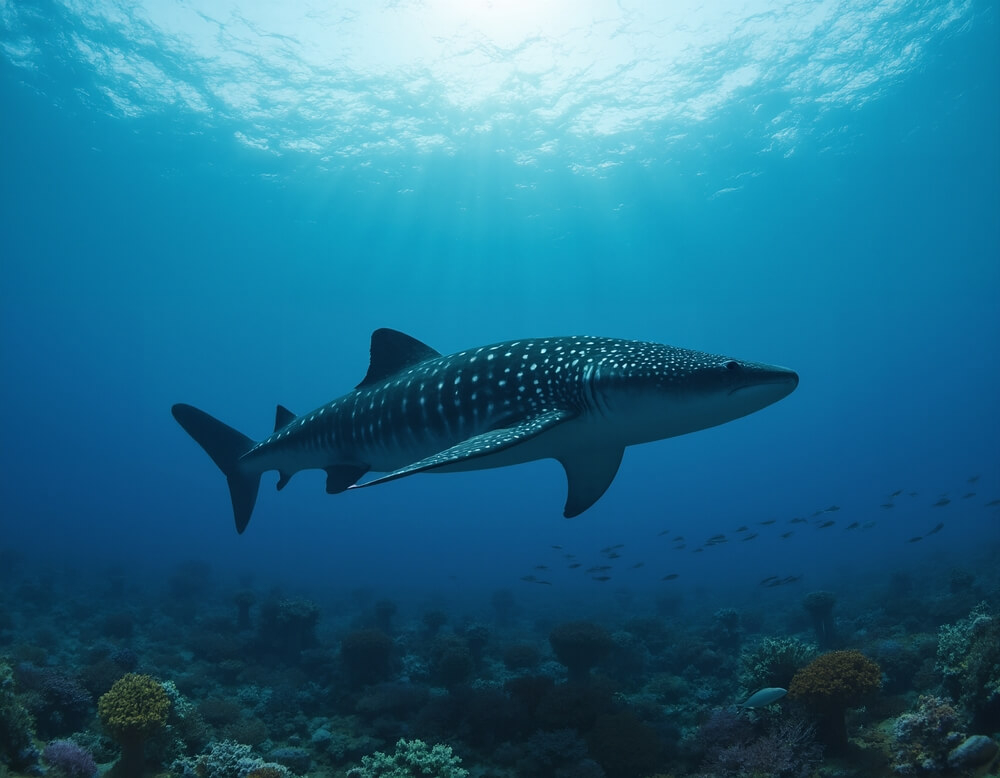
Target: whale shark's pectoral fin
x=341 y=477
x=484 y=445
x=589 y=473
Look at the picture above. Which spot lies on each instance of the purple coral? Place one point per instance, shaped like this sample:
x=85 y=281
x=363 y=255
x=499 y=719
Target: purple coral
x=70 y=759
x=787 y=751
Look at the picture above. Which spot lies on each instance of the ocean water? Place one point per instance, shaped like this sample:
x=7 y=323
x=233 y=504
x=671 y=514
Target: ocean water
x=217 y=203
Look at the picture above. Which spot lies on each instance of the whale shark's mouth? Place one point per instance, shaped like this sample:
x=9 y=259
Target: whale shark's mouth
x=789 y=378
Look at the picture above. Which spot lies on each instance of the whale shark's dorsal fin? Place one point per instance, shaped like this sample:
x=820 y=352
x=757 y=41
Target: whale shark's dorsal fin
x=282 y=416
x=392 y=351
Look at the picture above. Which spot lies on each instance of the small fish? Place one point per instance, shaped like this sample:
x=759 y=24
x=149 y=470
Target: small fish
x=788 y=534
x=992 y=503
x=941 y=502
x=967 y=495
x=825 y=524
x=682 y=545
x=601 y=578
x=598 y=569
x=575 y=565
x=852 y=525
x=637 y=565
x=679 y=539
x=665 y=532
x=815 y=514
x=612 y=555
x=742 y=528
x=797 y=520
x=716 y=538
x=896 y=493
x=543 y=583
x=559 y=548
x=541 y=567
x=776 y=582
x=915 y=539
x=791 y=579
x=671 y=577
x=697 y=550
x=528 y=578
x=768 y=579
x=937 y=528
x=831 y=509
x=868 y=525
x=972 y=479
x=751 y=536
x=887 y=505
x=767 y=522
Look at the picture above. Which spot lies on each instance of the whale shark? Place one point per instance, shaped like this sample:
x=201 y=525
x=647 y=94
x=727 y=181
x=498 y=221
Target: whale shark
x=579 y=400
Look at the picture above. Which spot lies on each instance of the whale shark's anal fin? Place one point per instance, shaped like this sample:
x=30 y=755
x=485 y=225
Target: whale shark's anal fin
x=589 y=473
x=486 y=444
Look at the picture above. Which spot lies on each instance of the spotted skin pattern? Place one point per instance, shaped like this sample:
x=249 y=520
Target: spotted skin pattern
x=577 y=399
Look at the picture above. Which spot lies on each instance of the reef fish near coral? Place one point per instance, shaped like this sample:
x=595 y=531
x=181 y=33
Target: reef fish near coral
x=579 y=400
x=763 y=697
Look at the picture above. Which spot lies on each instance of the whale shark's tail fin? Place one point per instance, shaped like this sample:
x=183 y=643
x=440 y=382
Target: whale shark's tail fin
x=225 y=446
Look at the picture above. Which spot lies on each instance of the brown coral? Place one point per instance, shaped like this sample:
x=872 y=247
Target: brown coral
x=831 y=684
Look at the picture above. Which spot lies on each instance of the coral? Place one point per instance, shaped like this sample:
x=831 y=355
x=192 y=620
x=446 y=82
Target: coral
x=819 y=606
x=579 y=645
x=788 y=751
x=544 y=752
x=433 y=621
x=133 y=710
x=923 y=739
x=773 y=662
x=288 y=627
x=296 y=759
x=69 y=759
x=365 y=654
x=384 y=612
x=412 y=759
x=451 y=661
x=968 y=656
x=623 y=745
x=227 y=759
x=831 y=684
x=521 y=656
x=59 y=704
x=16 y=725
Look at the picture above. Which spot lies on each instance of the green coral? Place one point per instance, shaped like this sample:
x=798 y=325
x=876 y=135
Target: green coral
x=136 y=706
x=132 y=710
x=413 y=759
x=773 y=662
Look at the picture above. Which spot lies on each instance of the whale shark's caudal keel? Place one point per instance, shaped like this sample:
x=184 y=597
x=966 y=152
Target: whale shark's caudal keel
x=579 y=400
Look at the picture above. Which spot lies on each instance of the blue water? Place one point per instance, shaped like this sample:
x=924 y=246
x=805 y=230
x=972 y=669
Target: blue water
x=220 y=212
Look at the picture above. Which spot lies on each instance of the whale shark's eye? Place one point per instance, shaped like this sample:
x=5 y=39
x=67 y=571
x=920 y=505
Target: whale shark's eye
x=732 y=364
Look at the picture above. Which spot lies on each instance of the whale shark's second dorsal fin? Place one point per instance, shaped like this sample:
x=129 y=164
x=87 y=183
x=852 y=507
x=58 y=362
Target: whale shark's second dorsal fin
x=282 y=416
x=392 y=351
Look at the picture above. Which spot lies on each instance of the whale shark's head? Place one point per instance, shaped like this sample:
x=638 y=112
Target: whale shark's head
x=665 y=391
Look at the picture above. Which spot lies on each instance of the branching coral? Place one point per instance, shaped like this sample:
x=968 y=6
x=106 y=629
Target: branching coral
x=968 y=656
x=412 y=759
x=772 y=662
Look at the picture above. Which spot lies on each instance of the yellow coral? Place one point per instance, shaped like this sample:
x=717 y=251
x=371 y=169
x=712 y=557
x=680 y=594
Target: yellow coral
x=136 y=706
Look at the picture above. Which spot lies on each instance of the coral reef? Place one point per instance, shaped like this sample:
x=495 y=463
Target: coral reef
x=968 y=657
x=922 y=740
x=773 y=662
